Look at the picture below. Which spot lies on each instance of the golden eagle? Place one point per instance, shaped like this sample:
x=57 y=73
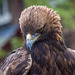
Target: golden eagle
x=44 y=51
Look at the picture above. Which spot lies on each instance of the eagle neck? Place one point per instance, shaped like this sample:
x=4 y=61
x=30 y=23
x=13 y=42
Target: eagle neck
x=53 y=39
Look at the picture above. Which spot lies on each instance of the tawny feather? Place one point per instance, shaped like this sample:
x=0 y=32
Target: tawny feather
x=48 y=55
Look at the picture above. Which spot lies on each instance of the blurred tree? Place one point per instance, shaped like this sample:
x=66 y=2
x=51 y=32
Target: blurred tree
x=0 y=2
x=36 y=2
x=16 y=42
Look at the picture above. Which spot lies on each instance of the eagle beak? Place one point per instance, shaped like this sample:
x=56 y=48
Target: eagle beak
x=30 y=39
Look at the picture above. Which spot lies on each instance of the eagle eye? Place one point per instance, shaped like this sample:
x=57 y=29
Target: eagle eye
x=40 y=30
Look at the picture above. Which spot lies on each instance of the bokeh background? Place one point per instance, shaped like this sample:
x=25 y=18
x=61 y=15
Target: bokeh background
x=10 y=10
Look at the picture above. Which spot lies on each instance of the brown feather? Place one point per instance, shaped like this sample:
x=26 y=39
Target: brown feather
x=51 y=57
x=49 y=54
x=34 y=17
x=18 y=62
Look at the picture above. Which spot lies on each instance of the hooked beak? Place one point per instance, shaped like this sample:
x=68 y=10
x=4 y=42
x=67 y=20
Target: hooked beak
x=30 y=39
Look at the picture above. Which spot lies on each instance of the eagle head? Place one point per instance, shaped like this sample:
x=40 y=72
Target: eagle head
x=38 y=20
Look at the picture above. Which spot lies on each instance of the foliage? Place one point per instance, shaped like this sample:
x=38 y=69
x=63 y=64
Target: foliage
x=35 y=2
x=0 y=2
x=3 y=53
x=16 y=42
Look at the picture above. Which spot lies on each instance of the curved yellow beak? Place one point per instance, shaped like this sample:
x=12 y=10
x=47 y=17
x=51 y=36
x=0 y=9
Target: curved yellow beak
x=30 y=39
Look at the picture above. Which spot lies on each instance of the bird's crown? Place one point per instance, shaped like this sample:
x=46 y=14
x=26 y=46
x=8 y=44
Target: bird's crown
x=35 y=17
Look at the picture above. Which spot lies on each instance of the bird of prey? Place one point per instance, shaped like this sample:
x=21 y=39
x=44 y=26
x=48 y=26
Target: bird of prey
x=44 y=51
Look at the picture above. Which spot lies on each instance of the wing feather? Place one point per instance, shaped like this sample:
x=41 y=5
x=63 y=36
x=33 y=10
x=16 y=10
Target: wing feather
x=18 y=62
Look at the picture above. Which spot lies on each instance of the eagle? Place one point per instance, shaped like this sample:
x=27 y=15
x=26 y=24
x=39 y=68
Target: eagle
x=44 y=51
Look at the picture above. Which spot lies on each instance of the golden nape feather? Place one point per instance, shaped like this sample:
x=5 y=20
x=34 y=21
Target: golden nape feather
x=44 y=51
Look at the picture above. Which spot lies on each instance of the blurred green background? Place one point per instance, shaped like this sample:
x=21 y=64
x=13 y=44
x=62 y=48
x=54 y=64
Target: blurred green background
x=65 y=8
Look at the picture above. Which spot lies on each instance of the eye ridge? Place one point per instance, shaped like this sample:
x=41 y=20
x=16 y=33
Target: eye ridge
x=41 y=29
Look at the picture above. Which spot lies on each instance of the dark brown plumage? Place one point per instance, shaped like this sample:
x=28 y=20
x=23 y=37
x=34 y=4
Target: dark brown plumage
x=18 y=62
x=48 y=55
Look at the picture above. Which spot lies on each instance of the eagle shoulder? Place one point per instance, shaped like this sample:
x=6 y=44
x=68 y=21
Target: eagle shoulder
x=19 y=61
